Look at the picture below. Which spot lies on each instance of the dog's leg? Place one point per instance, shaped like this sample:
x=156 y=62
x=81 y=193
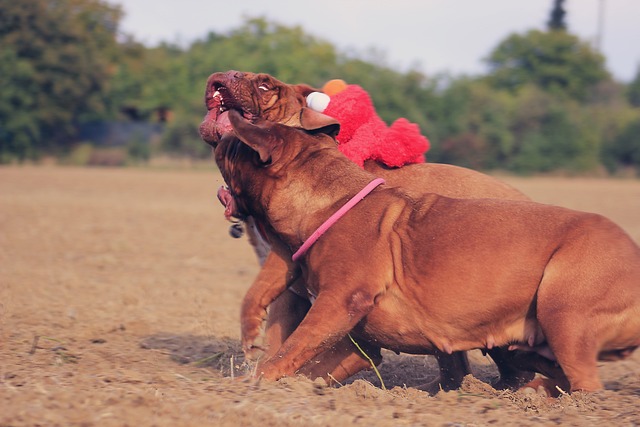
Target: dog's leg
x=285 y=315
x=329 y=320
x=576 y=352
x=272 y=281
x=556 y=381
x=453 y=368
x=511 y=375
x=529 y=363
x=335 y=364
x=570 y=320
x=341 y=361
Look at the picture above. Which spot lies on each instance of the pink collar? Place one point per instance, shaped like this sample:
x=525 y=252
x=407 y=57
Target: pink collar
x=335 y=217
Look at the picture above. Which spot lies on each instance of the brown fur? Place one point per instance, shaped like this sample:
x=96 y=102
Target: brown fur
x=427 y=273
x=284 y=103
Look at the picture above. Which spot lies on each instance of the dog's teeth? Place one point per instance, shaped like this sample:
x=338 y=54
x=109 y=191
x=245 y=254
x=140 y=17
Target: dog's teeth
x=216 y=94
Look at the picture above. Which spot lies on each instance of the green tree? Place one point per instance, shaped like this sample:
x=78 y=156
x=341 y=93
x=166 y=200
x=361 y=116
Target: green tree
x=633 y=92
x=472 y=126
x=556 y=61
x=625 y=148
x=126 y=86
x=56 y=62
x=556 y=20
x=551 y=134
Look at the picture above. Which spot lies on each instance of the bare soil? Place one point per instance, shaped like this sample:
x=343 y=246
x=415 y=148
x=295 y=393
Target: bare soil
x=119 y=303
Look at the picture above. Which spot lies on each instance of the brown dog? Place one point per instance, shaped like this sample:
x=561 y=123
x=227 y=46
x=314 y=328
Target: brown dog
x=428 y=273
x=260 y=95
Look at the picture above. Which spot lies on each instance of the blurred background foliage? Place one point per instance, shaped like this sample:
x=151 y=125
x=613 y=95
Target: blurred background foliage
x=73 y=86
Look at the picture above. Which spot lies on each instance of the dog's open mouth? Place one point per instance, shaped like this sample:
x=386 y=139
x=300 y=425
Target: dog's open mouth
x=216 y=123
x=218 y=105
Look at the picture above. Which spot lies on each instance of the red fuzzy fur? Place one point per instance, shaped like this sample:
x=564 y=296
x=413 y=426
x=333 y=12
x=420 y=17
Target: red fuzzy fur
x=364 y=135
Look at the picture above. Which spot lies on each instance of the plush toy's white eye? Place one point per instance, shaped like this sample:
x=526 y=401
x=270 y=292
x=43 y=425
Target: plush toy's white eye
x=318 y=101
x=263 y=87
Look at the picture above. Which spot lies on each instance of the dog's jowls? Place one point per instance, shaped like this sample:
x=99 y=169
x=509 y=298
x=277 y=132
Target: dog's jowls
x=263 y=96
x=558 y=288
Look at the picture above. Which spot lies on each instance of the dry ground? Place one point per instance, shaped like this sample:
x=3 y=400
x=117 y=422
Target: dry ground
x=119 y=301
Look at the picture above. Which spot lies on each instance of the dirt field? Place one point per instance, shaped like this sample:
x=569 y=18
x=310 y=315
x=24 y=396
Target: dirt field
x=119 y=305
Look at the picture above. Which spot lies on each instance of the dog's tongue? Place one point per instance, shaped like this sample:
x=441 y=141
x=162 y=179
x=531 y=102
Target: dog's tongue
x=225 y=197
x=223 y=124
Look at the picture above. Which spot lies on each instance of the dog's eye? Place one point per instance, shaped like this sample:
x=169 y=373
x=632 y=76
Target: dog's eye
x=263 y=87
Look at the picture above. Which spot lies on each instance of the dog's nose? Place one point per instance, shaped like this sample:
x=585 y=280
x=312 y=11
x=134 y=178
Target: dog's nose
x=235 y=75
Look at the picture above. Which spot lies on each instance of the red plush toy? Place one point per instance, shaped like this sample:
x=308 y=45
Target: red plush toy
x=363 y=134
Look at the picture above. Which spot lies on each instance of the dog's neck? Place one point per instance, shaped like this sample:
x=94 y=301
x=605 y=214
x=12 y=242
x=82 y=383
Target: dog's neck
x=308 y=193
x=335 y=217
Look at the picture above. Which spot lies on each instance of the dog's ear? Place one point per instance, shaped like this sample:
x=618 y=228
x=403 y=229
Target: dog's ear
x=315 y=122
x=261 y=138
x=303 y=89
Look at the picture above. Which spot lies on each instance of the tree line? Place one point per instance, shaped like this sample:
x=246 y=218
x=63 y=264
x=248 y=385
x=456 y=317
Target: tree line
x=546 y=103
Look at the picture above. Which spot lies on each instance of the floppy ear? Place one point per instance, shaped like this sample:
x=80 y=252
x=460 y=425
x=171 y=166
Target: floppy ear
x=261 y=138
x=303 y=89
x=315 y=122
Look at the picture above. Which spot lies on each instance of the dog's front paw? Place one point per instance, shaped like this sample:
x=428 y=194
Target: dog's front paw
x=249 y=330
x=270 y=371
x=252 y=352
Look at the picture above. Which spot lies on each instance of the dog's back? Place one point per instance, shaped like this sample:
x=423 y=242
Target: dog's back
x=446 y=180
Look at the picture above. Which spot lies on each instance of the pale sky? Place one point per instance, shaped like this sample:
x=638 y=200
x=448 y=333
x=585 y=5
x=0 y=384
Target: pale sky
x=433 y=35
